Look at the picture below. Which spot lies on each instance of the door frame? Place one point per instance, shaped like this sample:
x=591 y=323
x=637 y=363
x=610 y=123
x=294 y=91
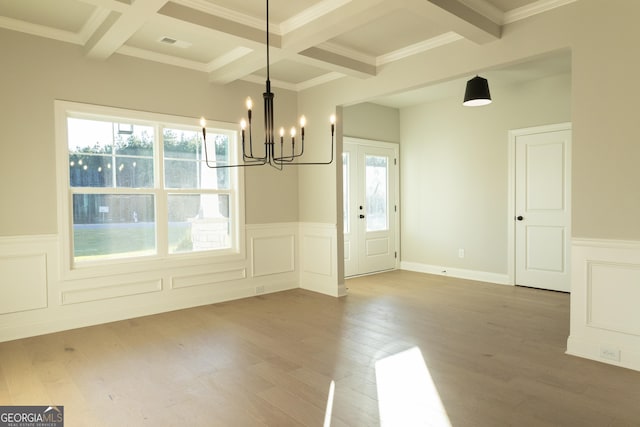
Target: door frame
x=396 y=217
x=511 y=191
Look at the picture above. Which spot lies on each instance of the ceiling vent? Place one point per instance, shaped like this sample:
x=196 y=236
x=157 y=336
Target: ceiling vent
x=168 y=40
x=174 y=42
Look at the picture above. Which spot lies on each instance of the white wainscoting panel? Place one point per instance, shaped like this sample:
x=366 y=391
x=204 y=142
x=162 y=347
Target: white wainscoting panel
x=273 y=254
x=23 y=283
x=273 y=250
x=37 y=297
x=613 y=296
x=318 y=253
x=186 y=281
x=605 y=296
x=75 y=296
x=317 y=258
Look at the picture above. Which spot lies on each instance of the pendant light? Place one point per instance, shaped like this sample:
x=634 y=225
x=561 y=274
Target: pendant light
x=477 y=92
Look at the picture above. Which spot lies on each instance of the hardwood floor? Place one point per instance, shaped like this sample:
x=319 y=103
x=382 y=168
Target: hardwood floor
x=495 y=355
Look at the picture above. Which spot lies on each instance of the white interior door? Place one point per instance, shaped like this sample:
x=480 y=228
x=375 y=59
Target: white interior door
x=543 y=209
x=370 y=179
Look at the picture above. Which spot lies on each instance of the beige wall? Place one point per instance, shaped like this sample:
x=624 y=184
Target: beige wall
x=37 y=71
x=371 y=121
x=606 y=152
x=602 y=37
x=454 y=173
x=540 y=35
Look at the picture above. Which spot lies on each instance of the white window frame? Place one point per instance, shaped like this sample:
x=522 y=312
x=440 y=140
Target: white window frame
x=162 y=259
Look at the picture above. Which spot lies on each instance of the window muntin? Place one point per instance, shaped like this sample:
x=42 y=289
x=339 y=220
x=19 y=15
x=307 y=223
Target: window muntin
x=141 y=188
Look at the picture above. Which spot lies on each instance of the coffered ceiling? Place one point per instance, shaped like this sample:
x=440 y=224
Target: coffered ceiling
x=312 y=41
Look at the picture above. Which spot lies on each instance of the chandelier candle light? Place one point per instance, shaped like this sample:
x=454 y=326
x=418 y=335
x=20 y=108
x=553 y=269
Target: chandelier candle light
x=270 y=157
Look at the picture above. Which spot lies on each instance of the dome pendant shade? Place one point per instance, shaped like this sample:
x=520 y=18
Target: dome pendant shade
x=477 y=92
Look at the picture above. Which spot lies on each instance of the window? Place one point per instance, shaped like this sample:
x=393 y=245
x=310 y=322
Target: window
x=138 y=185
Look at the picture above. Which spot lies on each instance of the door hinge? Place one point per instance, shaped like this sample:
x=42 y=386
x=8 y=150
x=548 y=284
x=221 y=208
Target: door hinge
x=395 y=208
x=395 y=255
x=395 y=162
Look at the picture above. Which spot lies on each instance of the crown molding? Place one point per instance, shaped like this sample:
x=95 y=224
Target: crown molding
x=252 y=78
x=228 y=58
x=486 y=9
x=532 y=9
x=162 y=58
x=311 y=14
x=420 y=47
x=325 y=78
x=40 y=30
x=348 y=53
x=228 y=14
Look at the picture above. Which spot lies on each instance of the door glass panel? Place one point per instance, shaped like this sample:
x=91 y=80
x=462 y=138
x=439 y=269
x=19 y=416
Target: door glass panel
x=376 y=192
x=345 y=192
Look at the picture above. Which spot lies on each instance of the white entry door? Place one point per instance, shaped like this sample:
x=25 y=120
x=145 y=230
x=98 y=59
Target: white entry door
x=543 y=207
x=370 y=178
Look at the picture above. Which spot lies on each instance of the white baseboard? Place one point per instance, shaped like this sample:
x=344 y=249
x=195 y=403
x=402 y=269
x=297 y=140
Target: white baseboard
x=479 y=276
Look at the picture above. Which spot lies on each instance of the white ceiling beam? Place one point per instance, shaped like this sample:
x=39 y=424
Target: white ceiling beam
x=241 y=67
x=239 y=30
x=337 y=63
x=249 y=54
x=459 y=18
x=330 y=24
x=118 y=27
x=115 y=5
x=331 y=21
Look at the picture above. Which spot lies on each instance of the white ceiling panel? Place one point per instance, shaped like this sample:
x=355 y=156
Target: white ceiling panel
x=292 y=72
x=312 y=40
x=279 y=10
x=394 y=31
x=192 y=43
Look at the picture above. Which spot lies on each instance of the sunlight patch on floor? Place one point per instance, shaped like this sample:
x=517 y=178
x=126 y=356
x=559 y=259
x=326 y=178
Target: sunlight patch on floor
x=407 y=395
x=329 y=411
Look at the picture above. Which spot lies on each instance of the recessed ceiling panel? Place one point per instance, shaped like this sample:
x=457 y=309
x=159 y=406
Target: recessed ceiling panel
x=390 y=33
x=291 y=72
x=67 y=15
x=279 y=10
x=191 y=42
x=507 y=5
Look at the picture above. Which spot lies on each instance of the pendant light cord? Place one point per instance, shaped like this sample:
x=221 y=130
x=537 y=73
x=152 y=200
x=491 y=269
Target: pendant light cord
x=268 y=40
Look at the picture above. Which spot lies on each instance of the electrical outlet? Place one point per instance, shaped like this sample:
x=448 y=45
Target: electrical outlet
x=610 y=353
x=460 y=253
x=259 y=290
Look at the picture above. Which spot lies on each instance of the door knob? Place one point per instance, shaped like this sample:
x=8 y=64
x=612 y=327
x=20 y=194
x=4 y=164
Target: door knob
x=520 y=218
x=361 y=216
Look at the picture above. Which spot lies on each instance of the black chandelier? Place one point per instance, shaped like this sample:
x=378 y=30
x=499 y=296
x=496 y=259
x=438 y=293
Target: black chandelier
x=270 y=157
